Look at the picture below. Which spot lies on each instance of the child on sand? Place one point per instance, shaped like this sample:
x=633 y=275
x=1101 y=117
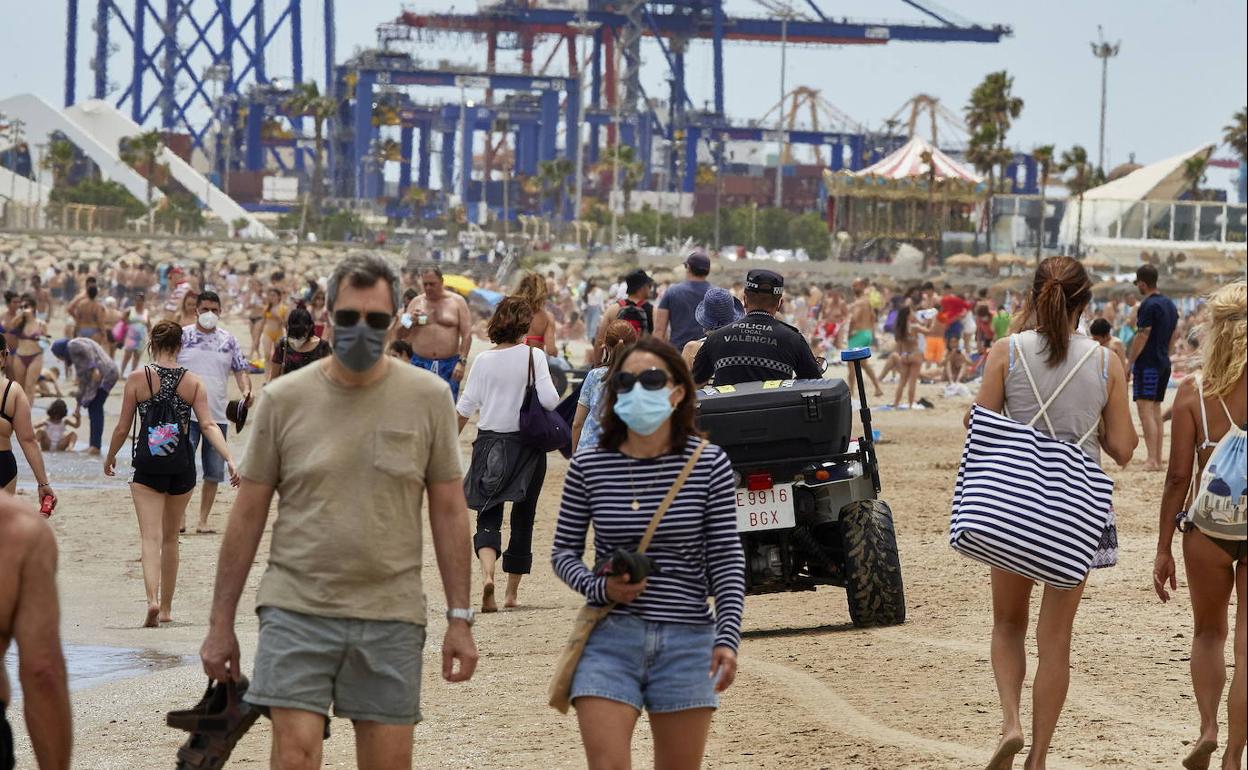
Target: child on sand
x=49 y=382
x=52 y=434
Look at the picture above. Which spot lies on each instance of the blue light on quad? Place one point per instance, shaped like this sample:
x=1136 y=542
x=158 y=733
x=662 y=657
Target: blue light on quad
x=855 y=354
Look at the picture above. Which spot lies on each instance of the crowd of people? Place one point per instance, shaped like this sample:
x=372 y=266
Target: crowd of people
x=344 y=582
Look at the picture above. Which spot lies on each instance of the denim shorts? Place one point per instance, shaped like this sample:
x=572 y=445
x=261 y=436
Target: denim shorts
x=213 y=463
x=661 y=666
x=368 y=669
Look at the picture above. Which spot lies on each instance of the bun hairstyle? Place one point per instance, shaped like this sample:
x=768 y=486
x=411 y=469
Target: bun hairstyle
x=1224 y=345
x=1060 y=291
x=619 y=334
x=166 y=338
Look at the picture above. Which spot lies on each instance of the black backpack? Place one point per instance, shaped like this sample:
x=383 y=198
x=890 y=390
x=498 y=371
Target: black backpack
x=162 y=444
x=637 y=315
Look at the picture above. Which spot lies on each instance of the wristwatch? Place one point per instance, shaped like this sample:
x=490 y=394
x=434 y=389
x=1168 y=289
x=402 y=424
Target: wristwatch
x=468 y=615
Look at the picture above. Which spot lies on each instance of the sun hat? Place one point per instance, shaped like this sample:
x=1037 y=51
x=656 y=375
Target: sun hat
x=718 y=308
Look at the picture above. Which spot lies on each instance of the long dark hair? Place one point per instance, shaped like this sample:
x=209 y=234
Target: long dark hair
x=614 y=431
x=901 y=324
x=1060 y=290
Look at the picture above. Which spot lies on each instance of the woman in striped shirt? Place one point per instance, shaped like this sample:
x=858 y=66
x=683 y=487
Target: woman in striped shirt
x=661 y=648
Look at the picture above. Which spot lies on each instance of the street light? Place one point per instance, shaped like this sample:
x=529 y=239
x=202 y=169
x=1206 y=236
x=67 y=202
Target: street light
x=584 y=27
x=1103 y=51
x=786 y=13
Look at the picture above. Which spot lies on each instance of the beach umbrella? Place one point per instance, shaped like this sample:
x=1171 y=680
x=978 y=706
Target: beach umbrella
x=484 y=301
x=1107 y=289
x=1097 y=262
x=460 y=284
x=1014 y=283
x=1176 y=287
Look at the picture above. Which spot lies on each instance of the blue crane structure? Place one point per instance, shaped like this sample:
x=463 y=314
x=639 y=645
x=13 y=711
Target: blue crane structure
x=180 y=49
x=176 y=50
x=373 y=77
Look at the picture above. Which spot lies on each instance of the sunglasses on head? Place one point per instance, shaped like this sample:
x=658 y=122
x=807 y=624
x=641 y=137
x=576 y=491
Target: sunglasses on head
x=650 y=379
x=375 y=320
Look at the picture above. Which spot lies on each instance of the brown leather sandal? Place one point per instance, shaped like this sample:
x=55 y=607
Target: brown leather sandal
x=216 y=724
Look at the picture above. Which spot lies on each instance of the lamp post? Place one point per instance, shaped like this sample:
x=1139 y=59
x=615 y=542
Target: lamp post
x=786 y=14
x=1103 y=51
x=584 y=28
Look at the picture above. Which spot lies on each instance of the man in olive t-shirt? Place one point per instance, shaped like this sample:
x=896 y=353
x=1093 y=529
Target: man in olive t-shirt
x=341 y=605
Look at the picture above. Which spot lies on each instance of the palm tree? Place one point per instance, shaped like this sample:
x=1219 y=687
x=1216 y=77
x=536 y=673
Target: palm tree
x=553 y=175
x=1194 y=169
x=629 y=168
x=1043 y=156
x=307 y=100
x=59 y=160
x=1081 y=179
x=142 y=151
x=1235 y=133
x=991 y=111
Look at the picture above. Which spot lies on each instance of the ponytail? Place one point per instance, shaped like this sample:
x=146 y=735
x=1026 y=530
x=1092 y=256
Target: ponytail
x=1060 y=290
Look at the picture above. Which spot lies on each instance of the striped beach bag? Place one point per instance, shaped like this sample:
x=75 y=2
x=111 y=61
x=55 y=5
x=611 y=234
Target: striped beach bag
x=1026 y=502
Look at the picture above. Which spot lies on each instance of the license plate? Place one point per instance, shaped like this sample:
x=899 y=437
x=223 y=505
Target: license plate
x=765 y=508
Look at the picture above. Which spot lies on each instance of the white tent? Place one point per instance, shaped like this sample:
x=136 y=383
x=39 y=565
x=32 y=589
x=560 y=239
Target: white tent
x=1119 y=204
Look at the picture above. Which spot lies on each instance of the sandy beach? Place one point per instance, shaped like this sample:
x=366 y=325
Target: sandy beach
x=813 y=692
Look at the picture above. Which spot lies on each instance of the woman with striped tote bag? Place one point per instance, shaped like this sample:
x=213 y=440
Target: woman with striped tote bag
x=1031 y=499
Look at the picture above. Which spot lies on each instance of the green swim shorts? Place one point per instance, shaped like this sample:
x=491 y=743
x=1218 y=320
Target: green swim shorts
x=861 y=338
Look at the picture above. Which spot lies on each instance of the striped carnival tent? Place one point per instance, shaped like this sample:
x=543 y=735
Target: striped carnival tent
x=908 y=162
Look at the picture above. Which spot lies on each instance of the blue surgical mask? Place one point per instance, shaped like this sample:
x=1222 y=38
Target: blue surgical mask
x=644 y=411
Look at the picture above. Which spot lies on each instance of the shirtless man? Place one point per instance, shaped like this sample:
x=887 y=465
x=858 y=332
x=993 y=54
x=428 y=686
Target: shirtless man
x=862 y=335
x=87 y=314
x=29 y=615
x=1103 y=332
x=441 y=329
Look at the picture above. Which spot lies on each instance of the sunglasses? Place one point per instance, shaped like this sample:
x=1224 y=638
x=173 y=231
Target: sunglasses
x=376 y=320
x=650 y=379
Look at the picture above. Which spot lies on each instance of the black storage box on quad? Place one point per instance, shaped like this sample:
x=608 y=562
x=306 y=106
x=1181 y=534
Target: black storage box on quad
x=758 y=422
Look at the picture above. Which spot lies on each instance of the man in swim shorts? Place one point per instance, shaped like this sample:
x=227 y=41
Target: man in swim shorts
x=862 y=334
x=440 y=330
x=30 y=616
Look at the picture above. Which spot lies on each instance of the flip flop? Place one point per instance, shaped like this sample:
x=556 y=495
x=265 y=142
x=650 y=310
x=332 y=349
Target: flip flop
x=216 y=724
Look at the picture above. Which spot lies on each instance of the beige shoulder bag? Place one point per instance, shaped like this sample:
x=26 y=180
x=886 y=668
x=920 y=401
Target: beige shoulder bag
x=561 y=684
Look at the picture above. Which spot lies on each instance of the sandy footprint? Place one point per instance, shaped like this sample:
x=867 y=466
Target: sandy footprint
x=821 y=702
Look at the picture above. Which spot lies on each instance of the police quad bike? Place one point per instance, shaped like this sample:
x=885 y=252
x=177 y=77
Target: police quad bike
x=807 y=495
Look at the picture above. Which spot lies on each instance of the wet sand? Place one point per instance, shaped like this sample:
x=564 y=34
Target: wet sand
x=813 y=692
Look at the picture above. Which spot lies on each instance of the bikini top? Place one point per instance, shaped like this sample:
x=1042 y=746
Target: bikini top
x=5 y=400
x=1204 y=417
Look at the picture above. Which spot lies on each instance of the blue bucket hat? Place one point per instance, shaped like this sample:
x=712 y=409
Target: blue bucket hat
x=60 y=349
x=718 y=308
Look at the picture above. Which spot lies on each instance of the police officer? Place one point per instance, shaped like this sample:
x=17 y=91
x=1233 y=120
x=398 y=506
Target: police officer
x=760 y=346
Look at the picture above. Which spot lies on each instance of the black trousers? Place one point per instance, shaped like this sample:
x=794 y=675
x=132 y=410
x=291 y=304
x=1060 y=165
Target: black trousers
x=518 y=558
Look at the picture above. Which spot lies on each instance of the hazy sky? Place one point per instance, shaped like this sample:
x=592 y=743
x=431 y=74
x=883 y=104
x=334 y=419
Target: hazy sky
x=1180 y=75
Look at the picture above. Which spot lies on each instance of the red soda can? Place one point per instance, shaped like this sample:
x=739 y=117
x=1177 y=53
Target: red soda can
x=47 y=505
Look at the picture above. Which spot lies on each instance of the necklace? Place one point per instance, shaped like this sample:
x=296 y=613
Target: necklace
x=636 y=504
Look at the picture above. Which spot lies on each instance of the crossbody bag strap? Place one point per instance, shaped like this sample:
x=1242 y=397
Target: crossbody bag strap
x=671 y=496
x=532 y=374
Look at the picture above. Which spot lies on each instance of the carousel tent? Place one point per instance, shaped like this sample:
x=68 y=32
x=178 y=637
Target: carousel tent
x=907 y=162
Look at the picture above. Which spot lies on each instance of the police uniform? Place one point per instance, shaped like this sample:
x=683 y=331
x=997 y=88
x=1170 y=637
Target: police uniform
x=759 y=347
